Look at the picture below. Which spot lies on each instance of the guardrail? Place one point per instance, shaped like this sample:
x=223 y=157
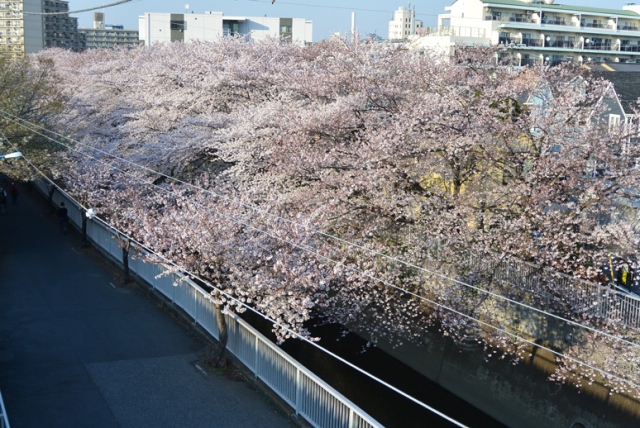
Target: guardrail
x=584 y=295
x=310 y=397
x=4 y=419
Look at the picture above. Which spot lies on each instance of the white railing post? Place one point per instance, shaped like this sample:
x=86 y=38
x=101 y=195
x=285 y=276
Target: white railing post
x=257 y=355
x=298 y=391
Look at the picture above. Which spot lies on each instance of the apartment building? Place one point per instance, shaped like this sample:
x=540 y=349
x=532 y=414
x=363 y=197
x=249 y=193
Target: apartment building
x=210 y=26
x=26 y=28
x=532 y=31
x=60 y=29
x=108 y=36
x=20 y=33
x=404 y=24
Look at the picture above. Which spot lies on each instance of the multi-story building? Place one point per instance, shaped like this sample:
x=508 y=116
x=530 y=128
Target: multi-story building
x=20 y=33
x=108 y=36
x=26 y=28
x=533 y=31
x=61 y=30
x=210 y=26
x=404 y=24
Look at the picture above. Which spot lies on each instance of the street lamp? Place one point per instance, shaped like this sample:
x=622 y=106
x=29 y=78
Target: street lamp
x=11 y=155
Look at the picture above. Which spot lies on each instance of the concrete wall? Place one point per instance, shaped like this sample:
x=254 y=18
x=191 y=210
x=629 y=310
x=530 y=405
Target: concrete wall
x=470 y=13
x=160 y=28
x=299 y=31
x=260 y=28
x=203 y=27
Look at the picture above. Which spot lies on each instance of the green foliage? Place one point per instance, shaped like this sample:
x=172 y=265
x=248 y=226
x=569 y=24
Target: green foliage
x=27 y=91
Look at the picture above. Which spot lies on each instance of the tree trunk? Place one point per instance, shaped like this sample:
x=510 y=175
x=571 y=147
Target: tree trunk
x=85 y=241
x=51 y=192
x=219 y=358
x=125 y=261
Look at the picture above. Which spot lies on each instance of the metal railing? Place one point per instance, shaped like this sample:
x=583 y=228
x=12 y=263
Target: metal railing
x=453 y=31
x=629 y=28
x=581 y=294
x=306 y=393
x=4 y=419
x=595 y=25
x=558 y=22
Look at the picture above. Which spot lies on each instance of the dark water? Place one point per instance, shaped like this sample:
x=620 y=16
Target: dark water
x=386 y=406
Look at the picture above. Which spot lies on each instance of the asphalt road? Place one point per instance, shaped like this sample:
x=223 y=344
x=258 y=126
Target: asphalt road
x=77 y=351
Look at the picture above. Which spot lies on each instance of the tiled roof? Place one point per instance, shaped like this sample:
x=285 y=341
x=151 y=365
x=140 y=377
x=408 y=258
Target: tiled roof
x=563 y=8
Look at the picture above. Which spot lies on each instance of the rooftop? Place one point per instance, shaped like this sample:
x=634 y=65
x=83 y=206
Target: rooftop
x=562 y=8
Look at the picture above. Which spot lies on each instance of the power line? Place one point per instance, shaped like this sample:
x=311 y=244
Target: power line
x=76 y=11
x=516 y=337
x=354 y=270
x=251 y=309
x=304 y=248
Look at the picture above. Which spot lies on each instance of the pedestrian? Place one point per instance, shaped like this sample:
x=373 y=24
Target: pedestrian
x=3 y=200
x=13 y=191
x=62 y=215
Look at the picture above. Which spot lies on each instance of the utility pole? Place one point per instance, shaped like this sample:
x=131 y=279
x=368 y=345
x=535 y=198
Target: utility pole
x=353 y=25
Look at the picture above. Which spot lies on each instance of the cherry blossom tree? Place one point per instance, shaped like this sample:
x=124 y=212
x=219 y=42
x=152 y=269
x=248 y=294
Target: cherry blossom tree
x=390 y=171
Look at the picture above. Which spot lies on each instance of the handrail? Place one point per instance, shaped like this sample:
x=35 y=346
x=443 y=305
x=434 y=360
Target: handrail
x=311 y=397
x=4 y=419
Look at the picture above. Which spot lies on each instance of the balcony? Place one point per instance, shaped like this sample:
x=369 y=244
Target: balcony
x=448 y=31
x=563 y=44
x=594 y=25
x=627 y=27
x=629 y=48
x=518 y=41
x=523 y=19
x=532 y=43
x=519 y=19
x=558 y=22
x=599 y=47
x=529 y=61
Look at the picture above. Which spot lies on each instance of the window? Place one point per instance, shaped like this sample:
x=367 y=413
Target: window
x=178 y=25
x=614 y=120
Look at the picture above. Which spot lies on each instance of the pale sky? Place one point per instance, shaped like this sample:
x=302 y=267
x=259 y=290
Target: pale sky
x=327 y=15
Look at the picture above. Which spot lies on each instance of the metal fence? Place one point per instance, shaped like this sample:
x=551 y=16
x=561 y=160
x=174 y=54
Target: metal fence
x=581 y=294
x=4 y=420
x=306 y=393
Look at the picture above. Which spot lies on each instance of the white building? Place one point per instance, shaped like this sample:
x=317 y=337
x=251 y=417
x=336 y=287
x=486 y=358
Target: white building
x=533 y=31
x=210 y=26
x=404 y=24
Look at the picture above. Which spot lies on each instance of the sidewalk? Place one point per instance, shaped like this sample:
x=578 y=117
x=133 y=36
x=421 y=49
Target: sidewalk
x=76 y=351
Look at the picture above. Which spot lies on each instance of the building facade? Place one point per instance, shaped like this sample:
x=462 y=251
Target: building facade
x=108 y=36
x=533 y=31
x=60 y=29
x=26 y=28
x=404 y=24
x=210 y=26
x=20 y=33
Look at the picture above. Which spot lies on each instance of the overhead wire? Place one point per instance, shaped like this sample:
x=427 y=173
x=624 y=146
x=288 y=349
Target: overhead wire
x=74 y=11
x=324 y=234
x=355 y=270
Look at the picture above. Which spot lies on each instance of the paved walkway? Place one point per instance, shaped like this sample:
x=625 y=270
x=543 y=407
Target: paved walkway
x=75 y=351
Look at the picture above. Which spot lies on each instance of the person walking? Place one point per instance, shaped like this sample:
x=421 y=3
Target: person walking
x=63 y=216
x=13 y=191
